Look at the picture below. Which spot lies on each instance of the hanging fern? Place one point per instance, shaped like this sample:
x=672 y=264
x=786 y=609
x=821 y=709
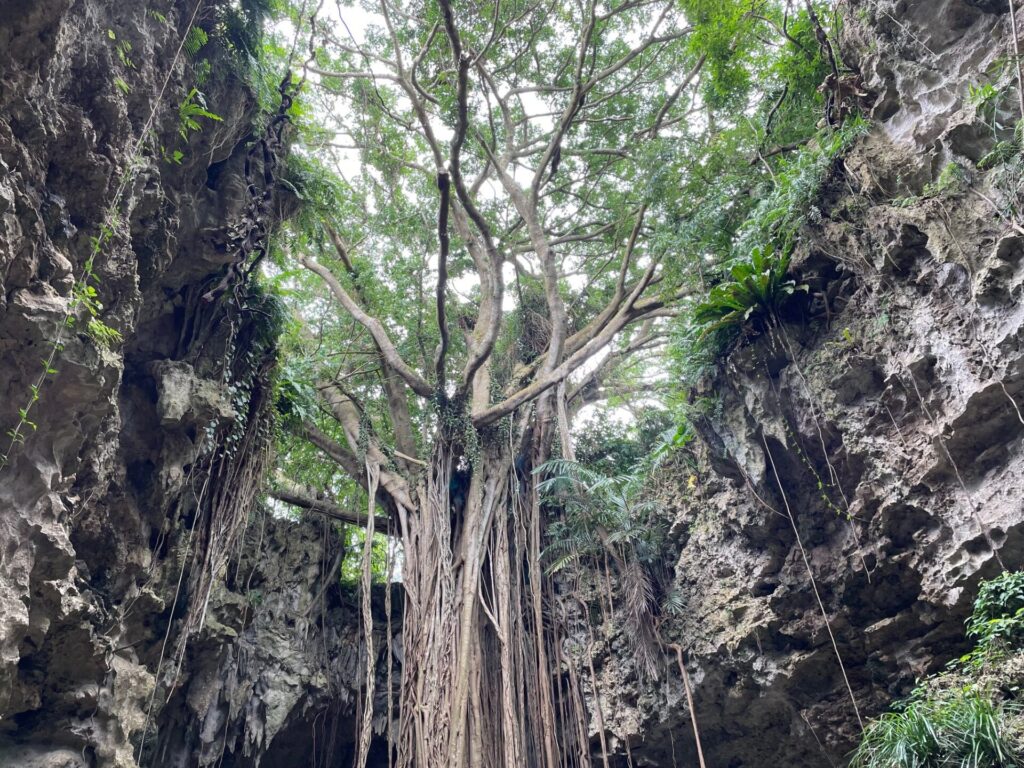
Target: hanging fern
x=195 y=40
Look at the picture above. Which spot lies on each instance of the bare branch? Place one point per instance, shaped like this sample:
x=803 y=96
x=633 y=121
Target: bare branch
x=544 y=382
x=394 y=387
x=659 y=121
x=417 y=383
x=492 y=284
x=305 y=498
x=444 y=186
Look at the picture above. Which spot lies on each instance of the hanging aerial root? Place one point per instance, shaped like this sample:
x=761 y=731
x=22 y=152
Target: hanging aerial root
x=689 y=703
x=365 y=731
x=814 y=584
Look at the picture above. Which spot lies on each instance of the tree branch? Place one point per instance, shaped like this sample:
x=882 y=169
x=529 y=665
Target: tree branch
x=444 y=186
x=298 y=496
x=491 y=280
x=417 y=383
x=394 y=387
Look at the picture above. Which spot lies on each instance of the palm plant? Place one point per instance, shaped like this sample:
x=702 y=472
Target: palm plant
x=600 y=513
x=608 y=515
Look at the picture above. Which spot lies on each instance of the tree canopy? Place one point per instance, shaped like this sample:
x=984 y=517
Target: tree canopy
x=595 y=167
x=508 y=212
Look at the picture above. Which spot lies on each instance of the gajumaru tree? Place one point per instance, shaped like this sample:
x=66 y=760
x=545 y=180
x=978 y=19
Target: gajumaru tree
x=489 y=246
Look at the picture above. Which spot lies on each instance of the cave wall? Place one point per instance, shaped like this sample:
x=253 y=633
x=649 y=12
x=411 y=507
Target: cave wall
x=905 y=367
x=97 y=505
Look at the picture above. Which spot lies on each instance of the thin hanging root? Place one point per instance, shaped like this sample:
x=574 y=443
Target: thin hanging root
x=985 y=531
x=833 y=475
x=167 y=633
x=817 y=740
x=814 y=584
x=598 y=710
x=372 y=478
x=388 y=640
x=1016 y=57
x=689 y=703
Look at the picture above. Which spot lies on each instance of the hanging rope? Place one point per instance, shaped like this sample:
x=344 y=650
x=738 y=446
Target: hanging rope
x=814 y=584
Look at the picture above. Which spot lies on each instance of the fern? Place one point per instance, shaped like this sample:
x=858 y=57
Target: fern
x=609 y=515
x=195 y=40
x=599 y=513
x=240 y=26
x=191 y=109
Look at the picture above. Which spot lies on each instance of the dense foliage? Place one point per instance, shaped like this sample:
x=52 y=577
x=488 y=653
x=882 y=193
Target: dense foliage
x=726 y=182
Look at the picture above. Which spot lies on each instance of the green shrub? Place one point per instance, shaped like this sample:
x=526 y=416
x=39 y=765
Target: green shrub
x=963 y=729
x=599 y=513
x=998 y=616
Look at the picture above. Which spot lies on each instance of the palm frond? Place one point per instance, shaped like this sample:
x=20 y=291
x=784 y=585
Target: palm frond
x=639 y=614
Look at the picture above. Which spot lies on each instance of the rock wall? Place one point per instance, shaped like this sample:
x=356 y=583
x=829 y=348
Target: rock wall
x=881 y=423
x=273 y=678
x=889 y=405
x=99 y=518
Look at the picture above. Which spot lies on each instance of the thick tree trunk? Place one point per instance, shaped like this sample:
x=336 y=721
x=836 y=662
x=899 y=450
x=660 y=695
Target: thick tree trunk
x=478 y=683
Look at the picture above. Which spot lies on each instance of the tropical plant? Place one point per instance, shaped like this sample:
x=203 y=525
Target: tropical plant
x=963 y=728
x=746 y=280
x=961 y=717
x=603 y=518
x=751 y=295
x=998 y=617
x=598 y=513
x=191 y=108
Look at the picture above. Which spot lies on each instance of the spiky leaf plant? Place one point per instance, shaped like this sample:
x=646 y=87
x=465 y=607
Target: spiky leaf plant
x=754 y=292
x=963 y=729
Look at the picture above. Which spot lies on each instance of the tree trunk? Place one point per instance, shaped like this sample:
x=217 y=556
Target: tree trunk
x=477 y=682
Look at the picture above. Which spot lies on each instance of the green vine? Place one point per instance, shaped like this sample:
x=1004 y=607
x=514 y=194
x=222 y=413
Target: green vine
x=84 y=296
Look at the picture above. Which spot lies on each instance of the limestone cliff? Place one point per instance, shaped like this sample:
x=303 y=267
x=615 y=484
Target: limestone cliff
x=100 y=506
x=890 y=407
x=887 y=408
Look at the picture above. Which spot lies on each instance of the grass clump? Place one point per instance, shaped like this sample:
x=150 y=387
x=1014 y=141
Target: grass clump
x=968 y=716
x=965 y=728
